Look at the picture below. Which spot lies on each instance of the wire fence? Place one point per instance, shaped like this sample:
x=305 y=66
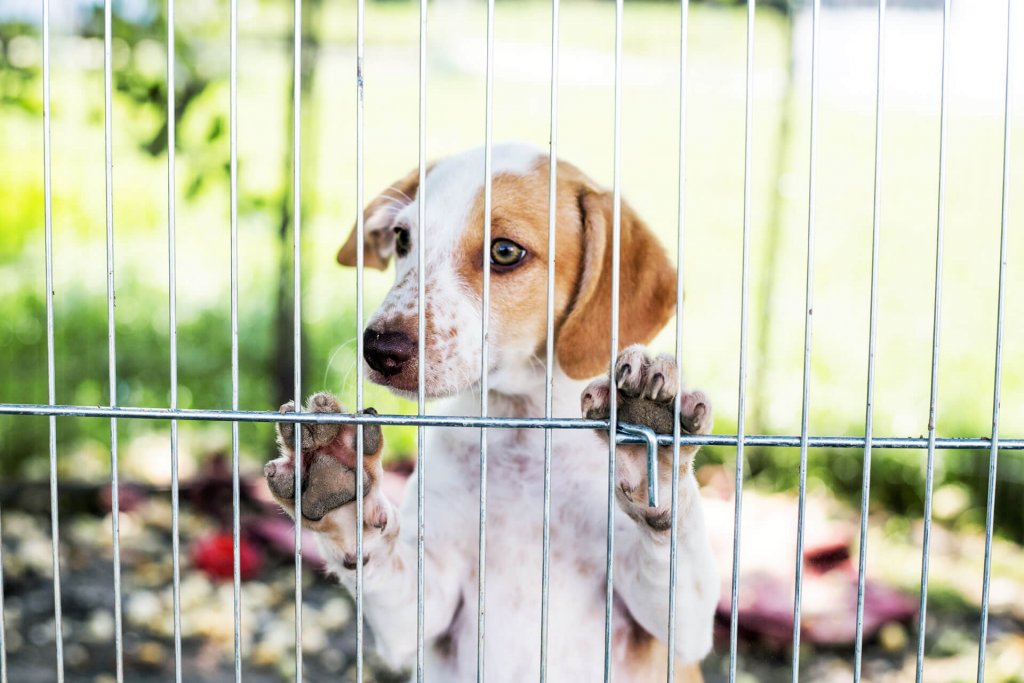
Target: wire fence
x=994 y=443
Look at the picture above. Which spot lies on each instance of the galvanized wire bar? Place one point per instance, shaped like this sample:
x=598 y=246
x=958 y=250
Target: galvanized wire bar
x=744 y=302
x=613 y=403
x=549 y=344
x=421 y=327
x=236 y=575
x=50 y=372
x=172 y=314
x=808 y=313
x=108 y=167
x=360 y=241
x=993 y=459
x=673 y=552
x=936 y=327
x=297 y=306
x=481 y=596
x=865 y=495
x=475 y=422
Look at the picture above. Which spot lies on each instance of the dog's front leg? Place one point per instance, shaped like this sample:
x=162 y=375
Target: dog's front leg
x=329 y=510
x=646 y=394
x=390 y=585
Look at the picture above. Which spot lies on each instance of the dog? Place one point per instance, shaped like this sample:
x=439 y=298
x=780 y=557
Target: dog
x=646 y=386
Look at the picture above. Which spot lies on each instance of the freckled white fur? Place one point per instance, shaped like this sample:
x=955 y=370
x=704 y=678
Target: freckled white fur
x=452 y=187
x=515 y=490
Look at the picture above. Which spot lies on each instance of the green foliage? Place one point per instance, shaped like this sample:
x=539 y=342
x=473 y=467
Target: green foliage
x=17 y=80
x=204 y=354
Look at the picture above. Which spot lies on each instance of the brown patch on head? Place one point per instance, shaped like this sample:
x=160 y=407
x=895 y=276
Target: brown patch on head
x=582 y=268
x=520 y=213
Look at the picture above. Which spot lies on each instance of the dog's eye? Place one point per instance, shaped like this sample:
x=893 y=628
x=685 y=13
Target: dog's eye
x=506 y=254
x=403 y=241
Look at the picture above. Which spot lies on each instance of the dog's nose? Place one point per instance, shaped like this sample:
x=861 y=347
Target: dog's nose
x=387 y=352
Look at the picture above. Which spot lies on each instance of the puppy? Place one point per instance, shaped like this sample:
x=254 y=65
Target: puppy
x=645 y=385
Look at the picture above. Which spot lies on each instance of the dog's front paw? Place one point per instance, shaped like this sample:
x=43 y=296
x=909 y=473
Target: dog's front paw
x=646 y=389
x=328 y=466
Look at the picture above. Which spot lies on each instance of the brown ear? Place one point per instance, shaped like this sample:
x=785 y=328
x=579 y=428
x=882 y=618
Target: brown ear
x=647 y=289
x=378 y=238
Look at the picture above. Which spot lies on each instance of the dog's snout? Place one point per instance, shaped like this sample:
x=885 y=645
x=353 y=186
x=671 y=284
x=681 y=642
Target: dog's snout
x=387 y=352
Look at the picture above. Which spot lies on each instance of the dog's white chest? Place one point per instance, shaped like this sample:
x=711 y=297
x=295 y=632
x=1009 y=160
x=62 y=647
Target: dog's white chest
x=514 y=548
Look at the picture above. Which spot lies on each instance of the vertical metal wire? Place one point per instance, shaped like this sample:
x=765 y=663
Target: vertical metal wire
x=936 y=322
x=484 y=350
x=808 y=313
x=993 y=458
x=235 y=492
x=50 y=373
x=421 y=327
x=172 y=312
x=865 y=495
x=744 y=301
x=360 y=239
x=684 y=23
x=613 y=415
x=297 y=306
x=549 y=346
x=115 y=507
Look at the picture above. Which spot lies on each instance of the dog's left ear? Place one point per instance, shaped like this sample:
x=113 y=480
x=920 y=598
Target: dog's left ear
x=647 y=288
x=378 y=237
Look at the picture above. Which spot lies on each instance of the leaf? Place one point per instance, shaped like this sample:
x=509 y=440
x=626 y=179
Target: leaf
x=216 y=128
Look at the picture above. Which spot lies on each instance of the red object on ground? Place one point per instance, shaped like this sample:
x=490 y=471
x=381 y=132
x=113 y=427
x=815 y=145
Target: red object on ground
x=214 y=555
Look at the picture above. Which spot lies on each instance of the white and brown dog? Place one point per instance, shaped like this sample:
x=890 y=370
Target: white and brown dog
x=646 y=387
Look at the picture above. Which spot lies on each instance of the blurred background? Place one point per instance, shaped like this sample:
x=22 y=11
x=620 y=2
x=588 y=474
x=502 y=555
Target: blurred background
x=455 y=121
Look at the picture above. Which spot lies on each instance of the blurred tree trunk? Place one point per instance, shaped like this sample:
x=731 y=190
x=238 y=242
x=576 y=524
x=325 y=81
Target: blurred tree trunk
x=283 y=356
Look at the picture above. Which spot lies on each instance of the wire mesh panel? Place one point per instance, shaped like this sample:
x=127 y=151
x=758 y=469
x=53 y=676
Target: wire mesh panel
x=619 y=433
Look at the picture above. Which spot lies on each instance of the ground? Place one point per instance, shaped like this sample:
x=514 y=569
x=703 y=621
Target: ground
x=267 y=598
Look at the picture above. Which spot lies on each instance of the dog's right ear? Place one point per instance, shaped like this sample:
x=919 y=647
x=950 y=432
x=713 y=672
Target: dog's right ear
x=647 y=293
x=378 y=237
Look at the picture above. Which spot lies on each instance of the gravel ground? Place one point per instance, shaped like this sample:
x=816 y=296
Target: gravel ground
x=207 y=625
x=329 y=640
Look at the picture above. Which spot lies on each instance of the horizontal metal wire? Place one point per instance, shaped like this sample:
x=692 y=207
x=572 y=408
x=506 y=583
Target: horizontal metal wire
x=782 y=441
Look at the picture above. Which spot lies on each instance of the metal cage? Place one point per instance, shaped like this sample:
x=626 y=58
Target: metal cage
x=113 y=412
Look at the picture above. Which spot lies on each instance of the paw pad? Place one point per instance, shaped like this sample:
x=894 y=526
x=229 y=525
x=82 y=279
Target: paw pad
x=328 y=460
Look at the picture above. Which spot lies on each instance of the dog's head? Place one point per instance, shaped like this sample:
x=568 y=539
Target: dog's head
x=517 y=258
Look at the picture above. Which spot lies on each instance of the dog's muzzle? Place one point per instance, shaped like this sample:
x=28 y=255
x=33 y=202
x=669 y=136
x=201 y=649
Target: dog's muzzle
x=387 y=352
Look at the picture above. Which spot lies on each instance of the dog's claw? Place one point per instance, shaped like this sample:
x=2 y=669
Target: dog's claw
x=622 y=374
x=656 y=384
x=286 y=429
